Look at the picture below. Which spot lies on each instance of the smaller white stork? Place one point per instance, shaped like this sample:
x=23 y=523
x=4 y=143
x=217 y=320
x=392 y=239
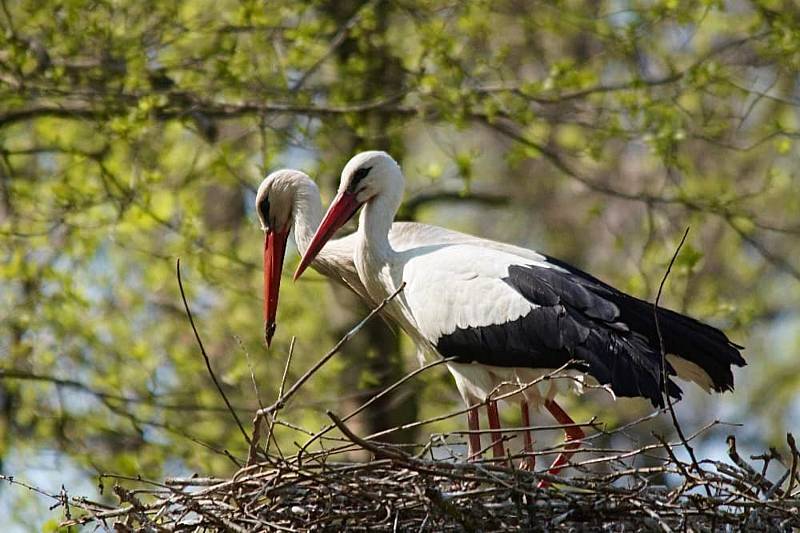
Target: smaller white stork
x=289 y=200
x=503 y=307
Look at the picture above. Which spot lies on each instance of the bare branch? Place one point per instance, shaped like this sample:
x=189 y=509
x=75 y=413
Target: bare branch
x=205 y=355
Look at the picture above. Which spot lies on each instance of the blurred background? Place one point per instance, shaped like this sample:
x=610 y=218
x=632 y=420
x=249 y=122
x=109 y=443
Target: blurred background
x=136 y=132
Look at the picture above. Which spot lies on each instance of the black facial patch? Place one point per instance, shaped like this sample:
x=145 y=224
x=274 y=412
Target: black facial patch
x=263 y=209
x=358 y=175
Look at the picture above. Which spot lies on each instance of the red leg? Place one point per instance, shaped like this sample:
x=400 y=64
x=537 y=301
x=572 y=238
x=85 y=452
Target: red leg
x=573 y=433
x=498 y=450
x=474 y=424
x=527 y=437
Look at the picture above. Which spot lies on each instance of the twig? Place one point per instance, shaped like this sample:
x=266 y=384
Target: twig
x=282 y=386
x=311 y=371
x=795 y=457
x=652 y=514
x=258 y=420
x=205 y=355
x=372 y=400
x=337 y=40
x=755 y=478
x=250 y=369
x=672 y=456
x=377 y=451
x=767 y=458
x=664 y=377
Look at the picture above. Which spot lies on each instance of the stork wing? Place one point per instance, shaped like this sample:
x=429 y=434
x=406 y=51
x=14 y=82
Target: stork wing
x=495 y=308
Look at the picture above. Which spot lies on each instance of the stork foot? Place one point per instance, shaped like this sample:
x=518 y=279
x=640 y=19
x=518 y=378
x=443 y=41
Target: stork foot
x=572 y=434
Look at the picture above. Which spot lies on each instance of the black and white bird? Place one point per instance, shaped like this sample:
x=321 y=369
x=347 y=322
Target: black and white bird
x=288 y=200
x=505 y=307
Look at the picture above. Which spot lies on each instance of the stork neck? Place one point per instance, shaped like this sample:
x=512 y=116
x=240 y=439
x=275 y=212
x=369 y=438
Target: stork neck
x=374 y=223
x=307 y=216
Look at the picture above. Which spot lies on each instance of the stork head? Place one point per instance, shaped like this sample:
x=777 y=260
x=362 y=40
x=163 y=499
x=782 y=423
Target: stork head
x=368 y=174
x=365 y=177
x=275 y=205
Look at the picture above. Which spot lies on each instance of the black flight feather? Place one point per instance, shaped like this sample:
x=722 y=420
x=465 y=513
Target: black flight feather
x=610 y=334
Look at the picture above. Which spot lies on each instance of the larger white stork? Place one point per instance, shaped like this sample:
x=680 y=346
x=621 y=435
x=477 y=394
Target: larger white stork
x=496 y=306
x=288 y=199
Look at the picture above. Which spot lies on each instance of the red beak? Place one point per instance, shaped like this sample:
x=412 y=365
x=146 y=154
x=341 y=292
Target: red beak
x=274 y=250
x=343 y=207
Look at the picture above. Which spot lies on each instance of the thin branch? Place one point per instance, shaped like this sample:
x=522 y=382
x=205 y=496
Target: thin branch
x=205 y=355
x=311 y=371
x=148 y=398
x=795 y=459
x=413 y=204
x=335 y=43
x=373 y=399
x=211 y=109
x=753 y=476
x=664 y=376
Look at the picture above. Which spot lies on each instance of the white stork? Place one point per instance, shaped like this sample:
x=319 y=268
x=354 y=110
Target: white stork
x=288 y=199
x=504 y=306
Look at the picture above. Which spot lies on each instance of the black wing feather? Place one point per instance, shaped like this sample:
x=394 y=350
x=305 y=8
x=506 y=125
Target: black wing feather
x=611 y=334
x=684 y=336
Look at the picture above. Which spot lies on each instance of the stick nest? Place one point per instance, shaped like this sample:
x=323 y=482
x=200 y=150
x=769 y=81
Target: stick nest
x=398 y=491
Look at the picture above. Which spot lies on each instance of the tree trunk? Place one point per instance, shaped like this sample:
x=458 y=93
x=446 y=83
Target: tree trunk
x=373 y=357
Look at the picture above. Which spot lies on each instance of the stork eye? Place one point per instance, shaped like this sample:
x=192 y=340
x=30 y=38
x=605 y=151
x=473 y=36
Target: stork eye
x=358 y=175
x=263 y=209
x=361 y=173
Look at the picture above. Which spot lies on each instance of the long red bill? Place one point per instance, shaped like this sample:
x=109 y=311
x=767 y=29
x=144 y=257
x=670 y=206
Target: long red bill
x=274 y=250
x=343 y=207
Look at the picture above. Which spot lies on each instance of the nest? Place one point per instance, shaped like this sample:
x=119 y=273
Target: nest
x=400 y=491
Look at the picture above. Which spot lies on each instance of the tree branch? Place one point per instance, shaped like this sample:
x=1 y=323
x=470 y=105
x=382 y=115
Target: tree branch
x=205 y=355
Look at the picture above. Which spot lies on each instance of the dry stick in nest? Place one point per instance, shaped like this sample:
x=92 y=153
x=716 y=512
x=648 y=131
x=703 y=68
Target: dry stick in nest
x=369 y=402
x=271 y=430
x=625 y=454
x=754 y=477
x=257 y=421
x=491 y=396
x=208 y=362
x=403 y=459
x=664 y=377
x=767 y=457
x=283 y=398
x=795 y=458
x=377 y=451
x=552 y=375
x=257 y=424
